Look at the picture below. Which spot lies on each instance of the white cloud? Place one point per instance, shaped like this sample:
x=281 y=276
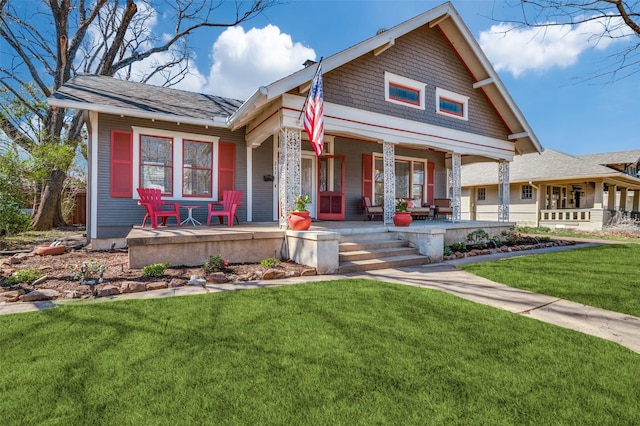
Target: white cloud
x=244 y=61
x=517 y=50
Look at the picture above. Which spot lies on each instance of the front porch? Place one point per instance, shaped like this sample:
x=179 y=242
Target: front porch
x=318 y=247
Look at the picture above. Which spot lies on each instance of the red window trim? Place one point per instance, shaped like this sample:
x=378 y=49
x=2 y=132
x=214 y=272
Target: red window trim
x=444 y=111
x=129 y=162
x=168 y=194
x=410 y=89
x=210 y=194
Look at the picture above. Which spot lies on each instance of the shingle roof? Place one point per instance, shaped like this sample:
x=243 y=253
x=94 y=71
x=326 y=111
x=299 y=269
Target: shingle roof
x=131 y=97
x=549 y=165
x=620 y=157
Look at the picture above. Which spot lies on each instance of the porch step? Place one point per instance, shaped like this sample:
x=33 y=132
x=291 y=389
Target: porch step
x=377 y=250
x=401 y=249
x=382 y=263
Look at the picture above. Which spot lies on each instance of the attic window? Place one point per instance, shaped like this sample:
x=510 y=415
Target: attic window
x=452 y=104
x=403 y=91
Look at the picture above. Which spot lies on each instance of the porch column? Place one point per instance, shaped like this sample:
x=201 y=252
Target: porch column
x=456 y=187
x=636 y=201
x=598 y=196
x=289 y=172
x=503 y=191
x=623 y=199
x=611 y=205
x=389 y=163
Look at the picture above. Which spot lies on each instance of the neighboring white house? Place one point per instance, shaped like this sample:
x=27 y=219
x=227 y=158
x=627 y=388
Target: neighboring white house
x=555 y=189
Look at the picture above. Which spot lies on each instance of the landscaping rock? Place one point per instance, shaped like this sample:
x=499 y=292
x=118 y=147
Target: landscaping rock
x=10 y=296
x=308 y=272
x=132 y=287
x=217 y=278
x=38 y=295
x=177 y=282
x=273 y=274
x=107 y=290
x=157 y=285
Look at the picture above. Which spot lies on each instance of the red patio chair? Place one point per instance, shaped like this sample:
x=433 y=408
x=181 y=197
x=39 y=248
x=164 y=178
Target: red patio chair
x=230 y=202
x=151 y=199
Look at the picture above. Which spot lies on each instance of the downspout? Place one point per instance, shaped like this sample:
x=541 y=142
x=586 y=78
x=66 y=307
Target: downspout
x=537 y=188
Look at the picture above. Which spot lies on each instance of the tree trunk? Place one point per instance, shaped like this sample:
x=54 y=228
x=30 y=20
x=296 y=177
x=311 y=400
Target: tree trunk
x=49 y=213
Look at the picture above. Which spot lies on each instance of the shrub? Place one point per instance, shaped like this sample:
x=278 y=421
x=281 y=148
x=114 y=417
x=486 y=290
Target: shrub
x=215 y=264
x=459 y=246
x=12 y=220
x=154 y=270
x=269 y=262
x=26 y=276
x=479 y=235
x=91 y=270
x=447 y=251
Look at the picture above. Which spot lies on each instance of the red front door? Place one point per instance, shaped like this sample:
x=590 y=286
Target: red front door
x=331 y=187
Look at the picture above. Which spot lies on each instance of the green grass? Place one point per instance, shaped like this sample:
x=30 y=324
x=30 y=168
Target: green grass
x=344 y=352
x=606 y=276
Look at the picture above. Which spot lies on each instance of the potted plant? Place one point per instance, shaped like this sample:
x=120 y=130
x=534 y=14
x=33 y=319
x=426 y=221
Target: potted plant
x=299 y=219
x=402 y=216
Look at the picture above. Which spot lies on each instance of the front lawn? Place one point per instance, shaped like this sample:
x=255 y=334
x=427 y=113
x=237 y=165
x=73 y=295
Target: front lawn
x=343 y=352
x=606 y=276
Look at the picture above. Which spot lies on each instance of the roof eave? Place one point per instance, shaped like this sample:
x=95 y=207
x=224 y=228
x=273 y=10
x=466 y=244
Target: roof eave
x=130 y=112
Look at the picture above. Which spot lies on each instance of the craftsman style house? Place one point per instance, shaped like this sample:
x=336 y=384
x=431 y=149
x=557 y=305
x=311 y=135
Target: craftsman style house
x=557 y=190
x=403 y=110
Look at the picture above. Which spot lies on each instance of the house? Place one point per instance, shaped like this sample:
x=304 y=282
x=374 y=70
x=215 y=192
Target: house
x=403 y=110
x=554 y=189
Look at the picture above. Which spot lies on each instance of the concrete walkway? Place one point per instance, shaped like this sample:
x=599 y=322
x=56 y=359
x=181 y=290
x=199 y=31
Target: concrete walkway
x=620 y=328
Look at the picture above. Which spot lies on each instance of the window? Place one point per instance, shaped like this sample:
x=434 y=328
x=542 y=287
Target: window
x=527 y=192
x=156 y=163
x=452 y=104
x=411 y=181
x=181 y=164
x=403 y=91
x=482 y=194
x=196 y=168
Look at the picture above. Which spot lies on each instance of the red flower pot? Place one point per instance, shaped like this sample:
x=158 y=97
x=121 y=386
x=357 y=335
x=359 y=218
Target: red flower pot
x=402 y=219
x=299 y=221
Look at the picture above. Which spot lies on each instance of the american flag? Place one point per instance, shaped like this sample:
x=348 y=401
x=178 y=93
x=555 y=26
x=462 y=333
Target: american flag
x=313 y=117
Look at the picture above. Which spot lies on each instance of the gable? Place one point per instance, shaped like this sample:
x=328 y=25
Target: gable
x=425 y=56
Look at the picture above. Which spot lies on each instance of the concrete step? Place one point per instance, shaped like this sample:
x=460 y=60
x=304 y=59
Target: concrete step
x=378 y=236
x=377 y=253
x=382 y=263
x=370 y=245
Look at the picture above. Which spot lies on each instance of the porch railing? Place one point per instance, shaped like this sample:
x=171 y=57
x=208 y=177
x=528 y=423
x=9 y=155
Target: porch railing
x=564 y=215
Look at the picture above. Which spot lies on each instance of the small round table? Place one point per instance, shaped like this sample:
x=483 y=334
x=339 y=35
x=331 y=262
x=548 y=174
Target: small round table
x=190 y=217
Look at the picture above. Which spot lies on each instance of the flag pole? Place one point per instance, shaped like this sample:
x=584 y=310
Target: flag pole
x=306 y=100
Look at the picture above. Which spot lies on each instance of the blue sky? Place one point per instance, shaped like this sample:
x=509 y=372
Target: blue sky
x=545 y=75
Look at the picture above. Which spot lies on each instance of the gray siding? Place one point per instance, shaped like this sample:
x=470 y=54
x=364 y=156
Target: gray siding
x=423 y=55
x=262 y=190
x=116 y=216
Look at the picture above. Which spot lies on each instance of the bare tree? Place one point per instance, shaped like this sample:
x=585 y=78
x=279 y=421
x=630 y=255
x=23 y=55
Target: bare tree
x=615 y=19
x=50 y=41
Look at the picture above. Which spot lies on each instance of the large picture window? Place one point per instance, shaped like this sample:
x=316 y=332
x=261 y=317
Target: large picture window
x=197 y=168
x=411 y=181
x=156 y=163
x=181 y=164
